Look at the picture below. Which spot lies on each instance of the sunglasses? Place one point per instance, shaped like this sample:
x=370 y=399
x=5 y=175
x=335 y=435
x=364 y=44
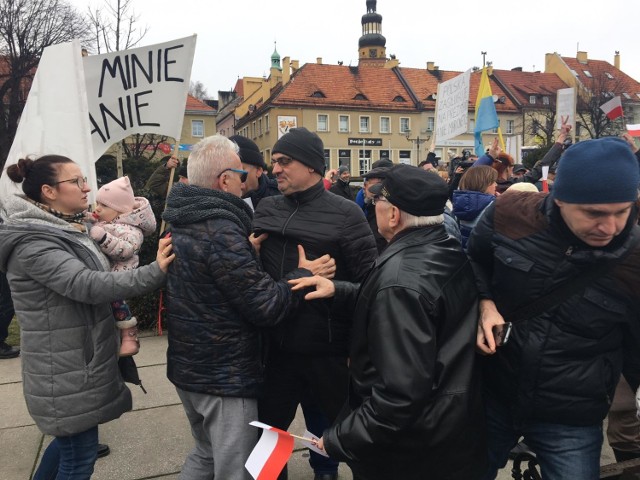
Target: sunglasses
x=79 y=181
x=243 y=173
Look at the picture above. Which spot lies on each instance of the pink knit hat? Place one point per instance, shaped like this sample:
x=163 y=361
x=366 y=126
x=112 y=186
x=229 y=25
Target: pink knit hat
x=117 y=195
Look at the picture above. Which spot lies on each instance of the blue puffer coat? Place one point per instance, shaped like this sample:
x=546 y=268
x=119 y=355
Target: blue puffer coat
x=218 y=295
x=467 y=208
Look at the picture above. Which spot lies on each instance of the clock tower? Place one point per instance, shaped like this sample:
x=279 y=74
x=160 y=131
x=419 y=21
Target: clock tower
x=371 y=46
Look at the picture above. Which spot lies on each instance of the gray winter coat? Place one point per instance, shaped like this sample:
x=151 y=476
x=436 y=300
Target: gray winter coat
x=62 y=296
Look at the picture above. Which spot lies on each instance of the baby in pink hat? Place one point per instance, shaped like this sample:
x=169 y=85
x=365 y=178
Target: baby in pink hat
x=123 y=221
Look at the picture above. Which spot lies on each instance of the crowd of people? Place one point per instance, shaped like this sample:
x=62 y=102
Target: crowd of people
x=425 y=323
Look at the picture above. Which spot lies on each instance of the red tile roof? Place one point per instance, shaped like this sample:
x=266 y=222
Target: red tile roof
x=195 y=105
x=524 y=84
x=621 y=82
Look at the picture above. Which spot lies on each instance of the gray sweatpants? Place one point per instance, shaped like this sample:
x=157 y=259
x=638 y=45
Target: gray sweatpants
x=224 y=439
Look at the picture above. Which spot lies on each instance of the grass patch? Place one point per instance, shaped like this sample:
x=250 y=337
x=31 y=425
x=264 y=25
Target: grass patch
x=14 y=333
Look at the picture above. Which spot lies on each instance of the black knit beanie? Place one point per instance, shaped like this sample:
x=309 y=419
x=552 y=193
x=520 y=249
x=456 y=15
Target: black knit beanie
x=249 y=151
x=304 y=146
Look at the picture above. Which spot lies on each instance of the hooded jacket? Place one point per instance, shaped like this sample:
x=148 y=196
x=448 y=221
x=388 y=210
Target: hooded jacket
x=125 y=234
x=467 y=208
x=62 y=296
x=415 y=408
x=218 y=295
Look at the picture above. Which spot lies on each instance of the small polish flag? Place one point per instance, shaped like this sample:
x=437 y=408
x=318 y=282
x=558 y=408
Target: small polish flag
x=270 y=454
x=545 y=177
x=634 y=130
x=613 y=108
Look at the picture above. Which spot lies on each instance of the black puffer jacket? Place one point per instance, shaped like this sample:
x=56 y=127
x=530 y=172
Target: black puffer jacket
x=561 y=366
x=218 y=295
x=342 y=189
x=322 y=223
x=267 y=187
x=416 y=409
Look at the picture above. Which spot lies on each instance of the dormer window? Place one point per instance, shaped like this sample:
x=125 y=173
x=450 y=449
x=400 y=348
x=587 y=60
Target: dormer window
x=360 y=96
x=609 y=76
x=588 y=73
x=318 y=94
x=532 y=99
x=399 y=98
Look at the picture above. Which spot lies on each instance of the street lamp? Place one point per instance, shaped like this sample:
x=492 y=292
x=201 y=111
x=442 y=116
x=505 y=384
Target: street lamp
x=418 y=141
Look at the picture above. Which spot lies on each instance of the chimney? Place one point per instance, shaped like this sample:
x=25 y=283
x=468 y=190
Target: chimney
x=286 y=70
x=295 y=65
x=616 y=60
x=319 y=60
x=582 y=58
x=431 y=66
x=489 y=70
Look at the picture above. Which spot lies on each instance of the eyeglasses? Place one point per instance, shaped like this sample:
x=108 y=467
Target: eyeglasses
x=282 y=161
x=243 y=173
x=377 y=199
x=79 y=181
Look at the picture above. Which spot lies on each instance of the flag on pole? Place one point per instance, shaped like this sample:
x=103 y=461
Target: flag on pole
x=270 y=454
x=634 y=130
x=545 y=179
x=486 y=117
x=613 y=108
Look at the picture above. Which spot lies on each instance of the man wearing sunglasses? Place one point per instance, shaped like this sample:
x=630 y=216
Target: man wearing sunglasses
x=308 y=352
x=218 y=298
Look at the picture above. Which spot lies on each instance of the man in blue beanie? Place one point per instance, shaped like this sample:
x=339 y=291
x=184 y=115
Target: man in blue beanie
x=564 y=268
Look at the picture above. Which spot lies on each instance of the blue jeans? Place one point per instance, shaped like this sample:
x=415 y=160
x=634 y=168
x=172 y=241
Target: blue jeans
x=317 y=422
x=563 y=451
x=69 y=458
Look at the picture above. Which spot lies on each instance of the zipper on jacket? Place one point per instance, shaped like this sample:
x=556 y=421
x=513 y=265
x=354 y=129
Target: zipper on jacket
x=286 y=241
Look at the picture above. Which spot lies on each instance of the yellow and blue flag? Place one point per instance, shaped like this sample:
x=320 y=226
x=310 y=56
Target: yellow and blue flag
x=486 y=116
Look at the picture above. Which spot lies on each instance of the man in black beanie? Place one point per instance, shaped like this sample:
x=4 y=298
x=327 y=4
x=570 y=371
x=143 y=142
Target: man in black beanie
x=258 y=184
x=564 y=269
x=308 y=352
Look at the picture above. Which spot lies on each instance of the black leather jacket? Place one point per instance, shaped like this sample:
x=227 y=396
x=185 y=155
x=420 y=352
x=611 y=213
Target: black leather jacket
x=415 y=401
x=322 y=223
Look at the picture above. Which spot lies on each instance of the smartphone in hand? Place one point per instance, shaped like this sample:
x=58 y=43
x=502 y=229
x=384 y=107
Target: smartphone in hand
x=501 y=333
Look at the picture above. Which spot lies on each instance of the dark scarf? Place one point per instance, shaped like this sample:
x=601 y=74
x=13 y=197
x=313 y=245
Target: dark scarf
x=189 y=204
x=76 y=220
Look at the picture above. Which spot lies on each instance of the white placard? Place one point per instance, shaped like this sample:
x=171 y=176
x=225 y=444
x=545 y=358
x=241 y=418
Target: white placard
x=452 y=107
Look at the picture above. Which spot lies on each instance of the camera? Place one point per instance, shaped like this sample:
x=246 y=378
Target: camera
x=465 y=164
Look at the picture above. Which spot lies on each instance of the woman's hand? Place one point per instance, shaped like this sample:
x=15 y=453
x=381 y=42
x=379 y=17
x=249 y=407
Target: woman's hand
x=164 y=256
x=324 y=288
x=324 y=266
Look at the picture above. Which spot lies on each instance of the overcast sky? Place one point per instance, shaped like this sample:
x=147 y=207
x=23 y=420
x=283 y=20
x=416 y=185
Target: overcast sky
x=236 y=38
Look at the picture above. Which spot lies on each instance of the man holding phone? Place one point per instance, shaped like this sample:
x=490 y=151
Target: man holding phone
x=565 y=268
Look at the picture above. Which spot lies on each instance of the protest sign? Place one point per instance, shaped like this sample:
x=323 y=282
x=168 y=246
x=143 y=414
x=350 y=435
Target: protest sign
x=452 y=107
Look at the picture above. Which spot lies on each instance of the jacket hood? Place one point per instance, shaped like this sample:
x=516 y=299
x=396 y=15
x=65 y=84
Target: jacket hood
x=141 y=216
x=18 y=217
x=467 y=205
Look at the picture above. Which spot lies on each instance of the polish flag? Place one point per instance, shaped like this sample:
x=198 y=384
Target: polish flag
x=634 y=130
x=613 y=108
x=270 y=454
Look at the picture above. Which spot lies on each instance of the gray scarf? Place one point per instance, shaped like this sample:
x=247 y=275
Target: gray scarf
x=189 y=204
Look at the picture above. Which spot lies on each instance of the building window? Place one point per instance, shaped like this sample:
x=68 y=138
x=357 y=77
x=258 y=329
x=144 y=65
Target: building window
x=323 y=123
x=405 y=157
x=343 y=126
x=495 y=130
x=385 y=125
x=532 y=99
x=365 y=124
x=472 y=125
x=364 y=161
x=405 y=125
x=545 y=100
x=253 y=129
x=266 y=123
x=344 y=158
x=260 y=127
x=197 y=128
x=510 y=127
x=431 y=121
x=587 y=73
x=609 y=76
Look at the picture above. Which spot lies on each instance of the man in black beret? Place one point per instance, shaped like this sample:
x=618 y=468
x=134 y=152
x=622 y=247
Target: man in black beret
x=371 y=178
x=258 y=184
x=415 y=407
x=308 y=352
